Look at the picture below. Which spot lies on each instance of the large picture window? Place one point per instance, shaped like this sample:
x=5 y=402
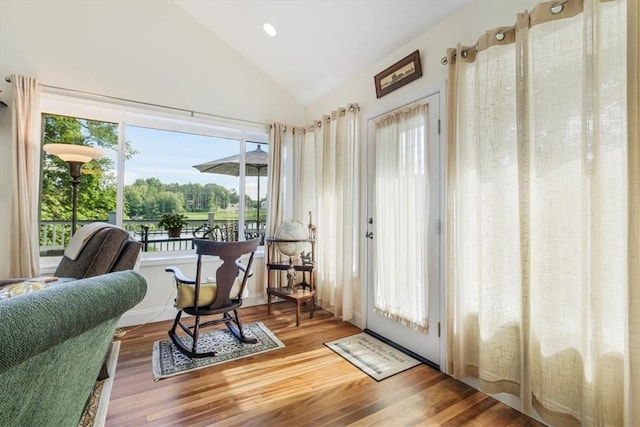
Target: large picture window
x=214 y=176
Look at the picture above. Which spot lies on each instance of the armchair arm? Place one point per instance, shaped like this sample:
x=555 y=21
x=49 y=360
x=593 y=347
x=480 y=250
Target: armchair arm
x=179 y=276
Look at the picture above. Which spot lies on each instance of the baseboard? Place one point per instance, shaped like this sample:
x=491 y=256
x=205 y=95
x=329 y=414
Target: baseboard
x=158 y=314
x=148 y=315
x=357 y=320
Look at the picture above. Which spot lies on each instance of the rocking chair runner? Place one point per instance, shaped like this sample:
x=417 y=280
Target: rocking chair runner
x=222 y=297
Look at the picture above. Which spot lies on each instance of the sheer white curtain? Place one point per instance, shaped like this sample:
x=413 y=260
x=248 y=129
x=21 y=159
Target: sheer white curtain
x=305 y=164
x=24 y=244
x=280 y=187
x=337 y=200
x=402 y=201
x=280 y=143
x=540 y=267
x=325 y=182
x=633 y=119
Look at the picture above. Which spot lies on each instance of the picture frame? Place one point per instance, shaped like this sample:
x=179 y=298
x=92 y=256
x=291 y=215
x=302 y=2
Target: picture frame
x=399 y=74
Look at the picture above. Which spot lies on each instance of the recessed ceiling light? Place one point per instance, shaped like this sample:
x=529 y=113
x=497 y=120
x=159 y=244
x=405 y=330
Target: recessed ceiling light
x=269 y=29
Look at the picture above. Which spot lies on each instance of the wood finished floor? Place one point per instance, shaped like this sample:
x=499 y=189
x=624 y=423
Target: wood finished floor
x=302 y=384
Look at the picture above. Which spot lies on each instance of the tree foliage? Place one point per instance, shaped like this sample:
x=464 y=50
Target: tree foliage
x=149 y=198
x=144 y=199
x=97 y=188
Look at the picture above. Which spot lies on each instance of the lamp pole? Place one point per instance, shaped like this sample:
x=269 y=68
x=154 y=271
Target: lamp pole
x=75 y=169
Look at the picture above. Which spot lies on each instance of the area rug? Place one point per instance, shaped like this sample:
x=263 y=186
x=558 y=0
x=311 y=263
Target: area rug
x=168 y=361
x=372 y=356
x=95 y=413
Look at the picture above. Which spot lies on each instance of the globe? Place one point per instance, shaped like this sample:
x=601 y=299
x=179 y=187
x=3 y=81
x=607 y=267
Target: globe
x=291 y=230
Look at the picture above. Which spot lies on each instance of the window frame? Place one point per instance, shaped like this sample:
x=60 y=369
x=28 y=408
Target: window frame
x=159 y=118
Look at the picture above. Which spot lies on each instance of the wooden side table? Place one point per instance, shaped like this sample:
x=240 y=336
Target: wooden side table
x=300 y=293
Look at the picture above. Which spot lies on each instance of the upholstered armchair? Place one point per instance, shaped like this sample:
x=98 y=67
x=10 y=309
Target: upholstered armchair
x=108 y=248
x=97 y=248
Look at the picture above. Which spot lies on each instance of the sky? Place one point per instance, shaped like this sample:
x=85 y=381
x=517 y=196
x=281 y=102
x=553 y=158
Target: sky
x=170 y=157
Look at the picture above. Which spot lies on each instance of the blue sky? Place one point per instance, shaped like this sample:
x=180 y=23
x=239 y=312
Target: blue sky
x=170 y=156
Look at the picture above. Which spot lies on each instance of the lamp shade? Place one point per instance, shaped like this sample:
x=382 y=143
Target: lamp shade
x=73 y=152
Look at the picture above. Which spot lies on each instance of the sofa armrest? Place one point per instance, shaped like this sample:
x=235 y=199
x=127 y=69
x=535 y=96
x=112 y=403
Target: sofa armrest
x=32 y=323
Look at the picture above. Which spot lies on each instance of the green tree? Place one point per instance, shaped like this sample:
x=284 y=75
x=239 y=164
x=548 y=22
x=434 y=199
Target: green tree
x=169 y=201
x=134 y=197
x=234 y=197
x=218 y=197
x=97 y=186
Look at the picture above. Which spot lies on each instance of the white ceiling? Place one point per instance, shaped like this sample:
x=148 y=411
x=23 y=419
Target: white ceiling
x=320 y=43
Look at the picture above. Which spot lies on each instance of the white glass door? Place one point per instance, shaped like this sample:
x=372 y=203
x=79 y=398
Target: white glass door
x=403 y=248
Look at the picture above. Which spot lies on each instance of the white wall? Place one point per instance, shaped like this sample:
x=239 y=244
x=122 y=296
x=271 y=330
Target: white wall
x=464 y=26
x=149 y=51
x=157 y=304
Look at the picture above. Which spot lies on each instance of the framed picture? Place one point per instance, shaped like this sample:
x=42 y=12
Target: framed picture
x=399 y=74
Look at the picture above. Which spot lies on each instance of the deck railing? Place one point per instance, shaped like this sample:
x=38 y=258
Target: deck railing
x=55 y=235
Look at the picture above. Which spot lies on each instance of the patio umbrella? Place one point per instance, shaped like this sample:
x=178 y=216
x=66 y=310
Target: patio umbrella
x=256 y=165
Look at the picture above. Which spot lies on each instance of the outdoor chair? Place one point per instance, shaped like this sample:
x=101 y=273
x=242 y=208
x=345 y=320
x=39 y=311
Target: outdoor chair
x=227 y=232
x=199 y=299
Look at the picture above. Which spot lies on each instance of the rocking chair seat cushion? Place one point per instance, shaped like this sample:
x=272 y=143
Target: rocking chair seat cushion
x=186 y=296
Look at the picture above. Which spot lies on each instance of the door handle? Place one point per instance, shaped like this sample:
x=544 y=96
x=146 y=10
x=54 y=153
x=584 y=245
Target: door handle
x=369 y=234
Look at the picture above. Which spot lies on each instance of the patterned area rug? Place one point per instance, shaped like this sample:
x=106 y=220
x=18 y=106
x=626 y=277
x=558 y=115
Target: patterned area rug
x=372 y=356
x=168 y=361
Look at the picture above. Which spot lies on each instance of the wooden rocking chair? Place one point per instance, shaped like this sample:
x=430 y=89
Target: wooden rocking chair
x=222 y=297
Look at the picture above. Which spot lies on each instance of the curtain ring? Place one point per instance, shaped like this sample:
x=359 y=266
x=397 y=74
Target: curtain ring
x=500 y=36
x=556 y=8
x=464 y=54
x=444 y=60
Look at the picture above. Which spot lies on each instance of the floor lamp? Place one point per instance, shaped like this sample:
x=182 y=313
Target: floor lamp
x=76 y=156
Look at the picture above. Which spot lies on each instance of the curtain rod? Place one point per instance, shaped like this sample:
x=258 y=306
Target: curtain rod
x=554 y=9
x=150 y=104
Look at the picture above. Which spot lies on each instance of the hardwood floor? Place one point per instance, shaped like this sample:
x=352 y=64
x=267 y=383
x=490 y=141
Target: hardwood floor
x=302 y=384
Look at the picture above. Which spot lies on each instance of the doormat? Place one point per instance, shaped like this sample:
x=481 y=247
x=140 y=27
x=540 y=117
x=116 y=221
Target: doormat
x=95 y=413
x=372 y=356
x=168 y=361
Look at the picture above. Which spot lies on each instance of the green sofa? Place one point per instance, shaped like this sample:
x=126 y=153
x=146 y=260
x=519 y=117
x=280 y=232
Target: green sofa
x=53 y=343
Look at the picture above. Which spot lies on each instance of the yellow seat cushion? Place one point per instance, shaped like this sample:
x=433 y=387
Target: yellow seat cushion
x=187 y=294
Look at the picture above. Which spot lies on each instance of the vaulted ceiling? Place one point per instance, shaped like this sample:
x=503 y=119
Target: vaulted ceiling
x=319 y=43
